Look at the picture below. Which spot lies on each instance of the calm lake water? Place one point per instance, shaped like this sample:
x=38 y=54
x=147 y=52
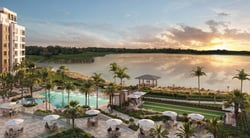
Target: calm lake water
x=174 y=69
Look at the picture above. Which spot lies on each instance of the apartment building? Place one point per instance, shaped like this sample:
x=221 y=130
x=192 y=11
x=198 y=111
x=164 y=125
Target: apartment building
x=12 y=40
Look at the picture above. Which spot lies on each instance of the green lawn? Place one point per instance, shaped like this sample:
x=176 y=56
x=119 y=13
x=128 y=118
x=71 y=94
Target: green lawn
x=160 y=107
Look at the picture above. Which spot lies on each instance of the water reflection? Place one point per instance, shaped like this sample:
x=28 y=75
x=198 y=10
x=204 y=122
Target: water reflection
x=173 y=68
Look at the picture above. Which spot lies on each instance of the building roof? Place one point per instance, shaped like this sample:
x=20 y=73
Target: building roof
x=148 y=77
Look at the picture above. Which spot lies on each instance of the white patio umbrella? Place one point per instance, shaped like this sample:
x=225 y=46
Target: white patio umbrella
x=50 y=117
x=113 y=122
x=170 y=114
x=14 y=122
x=92 y=112
x=195 y=116
x=146 y=123
x=134 y=96
x=139 y=93
x=9 y=105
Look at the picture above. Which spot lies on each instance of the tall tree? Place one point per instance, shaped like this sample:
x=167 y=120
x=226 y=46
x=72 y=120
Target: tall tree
x=110 y=90
x=69 y=86
x=121 y=74
x=20 y=76
x=49 y=86
x=45 y=74
x=198 y=72
x=159 y=132
x=213 y=126
x=114 y=68
x=72 y=111
x=239 y=100
x=3 y=80
x=86 y=89
x=10 y=80
x=62 y=70
x=31 y=79
x=186 y=131
x=241 y=75
x=97 y=78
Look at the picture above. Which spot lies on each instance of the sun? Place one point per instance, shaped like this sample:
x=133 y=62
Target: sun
x=220 y=47
x=218 y=44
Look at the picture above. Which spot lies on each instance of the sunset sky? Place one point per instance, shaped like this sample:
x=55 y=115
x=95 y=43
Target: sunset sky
x=194 y=24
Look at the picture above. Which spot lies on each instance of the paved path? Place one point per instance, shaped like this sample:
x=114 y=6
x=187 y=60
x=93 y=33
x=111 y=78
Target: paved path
x=33 y=126
x=100 y=131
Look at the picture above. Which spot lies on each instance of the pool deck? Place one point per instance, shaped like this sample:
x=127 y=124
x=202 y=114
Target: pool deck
x=34 y=125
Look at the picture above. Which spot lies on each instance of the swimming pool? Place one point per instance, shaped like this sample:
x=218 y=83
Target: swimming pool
x=60 y=99
x=31 y=100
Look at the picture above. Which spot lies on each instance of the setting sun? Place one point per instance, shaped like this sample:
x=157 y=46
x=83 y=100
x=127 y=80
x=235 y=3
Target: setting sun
x=219 y=44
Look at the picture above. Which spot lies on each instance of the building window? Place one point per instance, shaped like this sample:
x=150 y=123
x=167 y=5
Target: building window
x=23 y=32
x=5 y=61
x=5 y=45
x=23 y=47
x=5 y=53
x=23 y=39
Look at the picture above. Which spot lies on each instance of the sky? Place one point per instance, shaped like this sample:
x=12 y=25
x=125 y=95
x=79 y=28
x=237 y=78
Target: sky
x=186 y=24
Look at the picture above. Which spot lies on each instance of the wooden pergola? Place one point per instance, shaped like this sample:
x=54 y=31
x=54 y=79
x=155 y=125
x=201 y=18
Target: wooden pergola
x=147 y=80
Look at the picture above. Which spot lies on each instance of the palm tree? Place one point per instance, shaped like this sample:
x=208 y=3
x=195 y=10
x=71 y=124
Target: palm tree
x=97 y=78
x=241 y=75
x=69 y=86
x=62 y=70
x=213 y=126
x=185 y=131
x=114 y=68
x=72 y=111
x=239 y=100
x=20 y=76
x=7 y=80
x=121 y=73
x=45 y=74
x=198 y=72
x=159 y=132
x=32 y=79
x=110 y=90
x=3 y=80
x=86 y=89
x=48 y=87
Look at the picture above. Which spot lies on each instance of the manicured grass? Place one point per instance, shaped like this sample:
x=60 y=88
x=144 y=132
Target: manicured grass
x=159 y=107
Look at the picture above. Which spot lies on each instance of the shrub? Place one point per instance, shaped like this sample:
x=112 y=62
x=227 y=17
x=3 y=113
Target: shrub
x=133 y=127
x=30 y=104
x=40 y=112
x=72 y=133
x=19 y=98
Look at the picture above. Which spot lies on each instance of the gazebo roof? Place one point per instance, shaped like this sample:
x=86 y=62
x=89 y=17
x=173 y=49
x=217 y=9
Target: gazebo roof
x=148 y=77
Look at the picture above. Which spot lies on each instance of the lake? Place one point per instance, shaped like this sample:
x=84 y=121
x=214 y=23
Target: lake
x=174 y=69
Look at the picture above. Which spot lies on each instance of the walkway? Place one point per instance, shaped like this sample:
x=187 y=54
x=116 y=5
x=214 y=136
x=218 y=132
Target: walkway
x=33 y=126
x=100 y=131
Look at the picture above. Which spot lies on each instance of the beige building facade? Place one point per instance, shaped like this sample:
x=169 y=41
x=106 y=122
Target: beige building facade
x=12 y=40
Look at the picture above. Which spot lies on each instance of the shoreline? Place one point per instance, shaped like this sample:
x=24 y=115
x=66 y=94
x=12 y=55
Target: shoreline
x=180 y=89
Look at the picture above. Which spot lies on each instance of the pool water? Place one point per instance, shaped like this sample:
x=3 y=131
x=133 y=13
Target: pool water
x=60 y=99
x=31 y=100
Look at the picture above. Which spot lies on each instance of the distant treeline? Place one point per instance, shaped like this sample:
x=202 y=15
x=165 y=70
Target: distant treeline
x=58 y=50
